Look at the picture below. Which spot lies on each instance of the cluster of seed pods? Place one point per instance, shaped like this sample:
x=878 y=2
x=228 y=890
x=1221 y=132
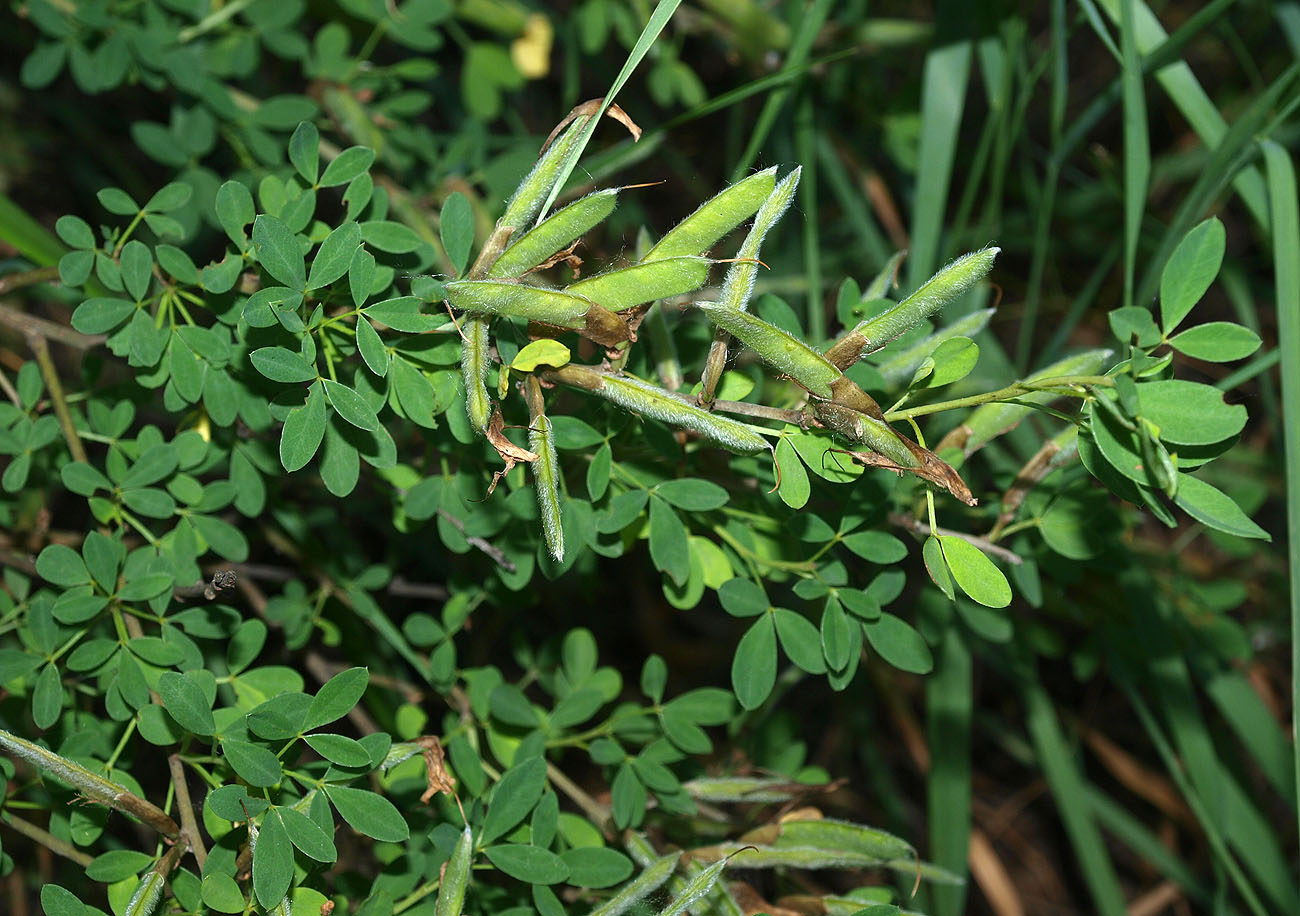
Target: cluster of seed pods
x=606 y=308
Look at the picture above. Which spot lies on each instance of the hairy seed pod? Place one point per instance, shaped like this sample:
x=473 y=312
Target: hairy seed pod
x=554 y=234
x=743 y=789
x=695 y=888
x=934 y=294
x=536 y=187
x=825 y=833
x=147 y=894
x=455 y=877
x=716 y=217
x=644 y=884
x=742 y=855
x=776 y=347
x=900 y=368
x=546 y=478
x=627 y=287
x=717 y=901
x=739 y=284
x=639 y=848
x=473 y=367
x=90 y=784
x=544 y=306
x=659 y=404
x=988 y=421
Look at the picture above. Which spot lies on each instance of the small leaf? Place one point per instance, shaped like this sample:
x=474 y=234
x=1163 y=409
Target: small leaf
x=545 y=352
x=692 y=495
x=351 y=406
x=837 y=646
x=280 y=364
x=279 y=252
x=337 y=697
x=669 y=542
x=599 y=472
x=456 y=225
x=371 y=346
x=528 y=863
x=137 y=268
x=514 y=797
x=334 y=256
x=1190 y=271
x=899 y=644
x=1216 y=342
x=185 y=702
x=339 y=749
x=61 y=565
x=306 y=834
x=272 y=862
x=742 y=598
x=753 y=669
x=369 y=814
x=253 y=763
x=347 y=165
x=304 y=151
x=794 y=488
x=1211 y=506
x=975 y=573
x=596 y=866
x=800 y=640
x=303 y=430
x=937 y=566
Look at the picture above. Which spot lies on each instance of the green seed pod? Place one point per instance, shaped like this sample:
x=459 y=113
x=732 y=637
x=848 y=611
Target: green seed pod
x=843 y=836
x=534 y=303
x=640 y=397
x=554 y=234
x=828 y=905
x=627 y=287
x=989 y=421
x=743 y=789
x=741 y=855
x=644 y=884
x=455 y=877
x=534 y=189
x=283 y=908
x=739 y=285
x=776 y=347
x=718 y=900
x=147 y=894
x=934 y=294
x=546 y=478
x=716 y=217
x=898 y=369
x=695 y=888
x=473 y=367
x=93 y=786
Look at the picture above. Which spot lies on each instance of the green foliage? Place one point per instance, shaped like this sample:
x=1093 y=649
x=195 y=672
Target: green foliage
x=279 y=502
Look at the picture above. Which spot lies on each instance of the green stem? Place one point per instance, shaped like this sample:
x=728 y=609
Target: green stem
x=47 y=839
x=1006 y=394
x=212 y=20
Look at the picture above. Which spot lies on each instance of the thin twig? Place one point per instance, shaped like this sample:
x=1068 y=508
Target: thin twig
x=763 y=412
x=496 y=553
x=46 y=839
x=10 y=391
x=50 y=373
x=595 y=811
x=51 y=330
x=11 y=282
x=189 y=827
x=919 y=527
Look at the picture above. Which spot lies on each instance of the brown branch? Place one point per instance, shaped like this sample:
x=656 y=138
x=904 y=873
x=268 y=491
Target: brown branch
x=496 y=553
x=10 y=282
x=762 y=411
x=46 y=839
x=50 y=373
x=595 y=811
x=189 y=827
x=51 y=330
x=10 y=392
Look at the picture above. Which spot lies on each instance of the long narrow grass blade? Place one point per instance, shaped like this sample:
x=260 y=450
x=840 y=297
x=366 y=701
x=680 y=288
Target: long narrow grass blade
x=949 y=702
x=1122 y=825
x=943 y=100
x=1137 y=145
x=806 y=142
x=658 y=19
x=1067 y=789
x=1286 y=268
x=1244 y=711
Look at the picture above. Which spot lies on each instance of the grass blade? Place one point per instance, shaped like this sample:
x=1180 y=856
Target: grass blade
x=658 y=19
x=1137 y=146
x=949 y=697
x=1286 y=266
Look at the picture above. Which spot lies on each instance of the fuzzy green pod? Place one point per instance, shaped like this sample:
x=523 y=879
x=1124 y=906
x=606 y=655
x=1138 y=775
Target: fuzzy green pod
x=741 y=855
x=499 y=298
x=881 y=283
x=473 y=368
x=546 y=478
x=739 y=284
x=536 y=187
x=644 y=884
x=659 y=404
x=93 y=786
x=899 y=368
x=776 y=347
x=554 y=234
x=455 y=877
x=715 y=217
x=742 y=789
x=147 y=894
x=695 y=888
x=989 y=421
x=718 y=900
x=627 y=287
x=934 y=294
x=825 y=833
